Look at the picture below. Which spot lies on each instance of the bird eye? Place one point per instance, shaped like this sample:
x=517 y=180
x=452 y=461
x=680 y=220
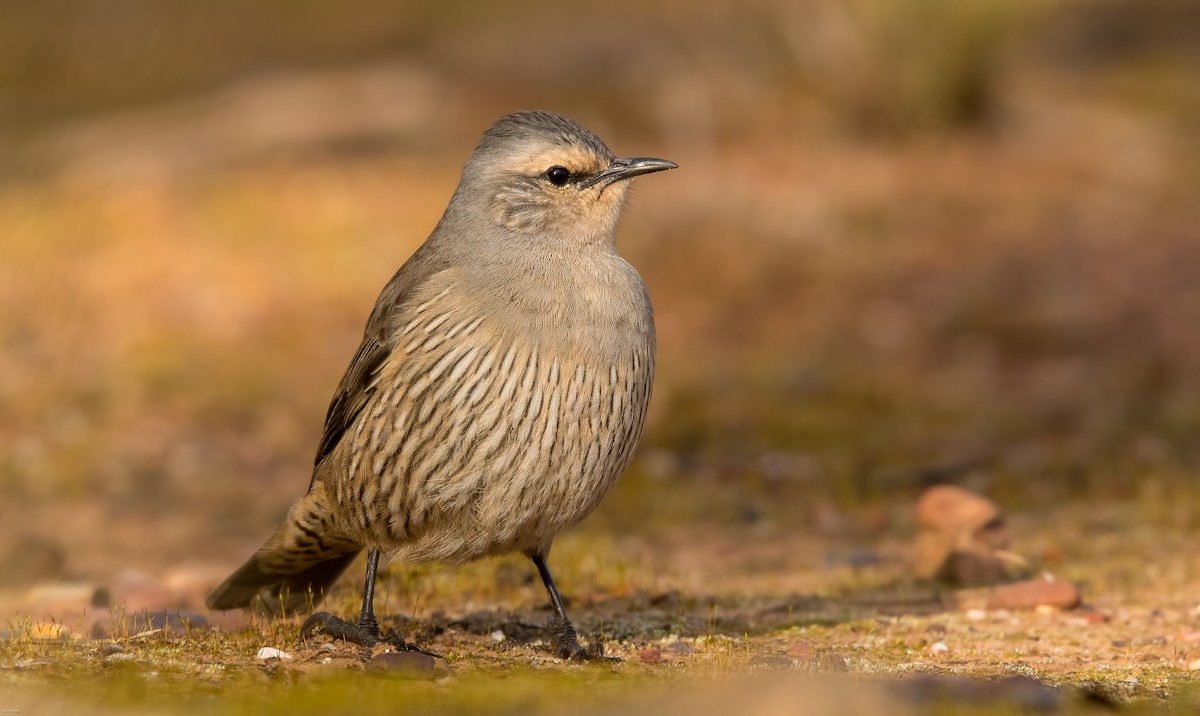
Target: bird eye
x=558 y=176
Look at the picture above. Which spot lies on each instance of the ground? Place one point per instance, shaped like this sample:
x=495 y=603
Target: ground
x=882 y=265
x=764 y=608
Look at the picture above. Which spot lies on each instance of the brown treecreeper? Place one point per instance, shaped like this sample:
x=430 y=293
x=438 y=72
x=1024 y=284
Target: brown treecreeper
x=498 y=393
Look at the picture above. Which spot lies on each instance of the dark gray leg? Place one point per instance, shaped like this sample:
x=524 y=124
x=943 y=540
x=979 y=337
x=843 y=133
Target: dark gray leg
x=563 y=639
x=366 y=631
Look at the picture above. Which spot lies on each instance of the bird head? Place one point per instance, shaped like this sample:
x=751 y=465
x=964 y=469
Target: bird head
x=542 y=174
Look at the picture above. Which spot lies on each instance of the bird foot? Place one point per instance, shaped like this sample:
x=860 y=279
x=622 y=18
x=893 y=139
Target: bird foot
x=566 y=645
x=365 y=633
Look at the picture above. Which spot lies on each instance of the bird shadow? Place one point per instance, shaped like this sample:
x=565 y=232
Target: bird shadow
x=643 y=616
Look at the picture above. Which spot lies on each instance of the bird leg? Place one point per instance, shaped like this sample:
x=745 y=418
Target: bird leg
x=366 y=631
x=563 y=639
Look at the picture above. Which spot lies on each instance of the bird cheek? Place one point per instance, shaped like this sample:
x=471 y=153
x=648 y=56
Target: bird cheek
x=609 y=202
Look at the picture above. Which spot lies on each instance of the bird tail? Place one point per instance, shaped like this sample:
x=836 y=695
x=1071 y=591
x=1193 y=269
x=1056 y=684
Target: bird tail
x=293 y=571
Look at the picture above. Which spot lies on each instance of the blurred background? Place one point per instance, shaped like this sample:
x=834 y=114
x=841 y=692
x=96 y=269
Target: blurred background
x=909 y=243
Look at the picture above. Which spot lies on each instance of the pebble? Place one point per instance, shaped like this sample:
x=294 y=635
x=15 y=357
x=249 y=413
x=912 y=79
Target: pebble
x=268 y=652
x=650 y=655
x=959 y=535
x=938 y=648
x=411 y=663
x=498 y=636
x=111 y=648
x=835 y=663
x=953 y=510
x=679 y=647
x=1033 y=593
x=1194 y=666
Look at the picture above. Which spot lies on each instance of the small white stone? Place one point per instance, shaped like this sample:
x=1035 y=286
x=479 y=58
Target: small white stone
x=976 y=615
x=939 y=648
x=1194 y=666
x=268 y=652
x=497 y=636
x=328 y=646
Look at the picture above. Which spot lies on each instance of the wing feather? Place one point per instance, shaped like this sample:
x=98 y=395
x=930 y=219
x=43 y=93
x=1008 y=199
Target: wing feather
x=361 y=378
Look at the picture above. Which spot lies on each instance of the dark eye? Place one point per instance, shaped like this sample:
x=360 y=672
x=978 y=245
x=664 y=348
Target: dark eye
x=558 y=176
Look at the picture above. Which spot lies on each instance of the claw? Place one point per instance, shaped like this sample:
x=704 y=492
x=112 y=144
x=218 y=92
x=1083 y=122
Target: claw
x=363 y=633
x=394 y=639
x=360 y=634
x=566 y=644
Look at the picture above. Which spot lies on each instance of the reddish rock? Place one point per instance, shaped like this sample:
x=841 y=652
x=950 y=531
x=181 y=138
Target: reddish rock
x=650 y=655
x=959 y=534
x=953 y=510
x=408 y=663
x=1052 y=556
x=1034 y=593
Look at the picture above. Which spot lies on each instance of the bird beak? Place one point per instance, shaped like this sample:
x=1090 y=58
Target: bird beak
x=627 y=168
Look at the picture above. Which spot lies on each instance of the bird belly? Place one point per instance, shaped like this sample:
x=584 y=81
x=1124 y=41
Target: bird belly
x=488 y=447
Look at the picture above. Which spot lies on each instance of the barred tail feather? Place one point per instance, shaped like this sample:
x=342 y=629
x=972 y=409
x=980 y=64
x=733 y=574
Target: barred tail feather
x=294 y=570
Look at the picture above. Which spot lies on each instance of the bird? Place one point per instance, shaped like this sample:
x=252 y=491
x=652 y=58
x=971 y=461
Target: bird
x=499 y=391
